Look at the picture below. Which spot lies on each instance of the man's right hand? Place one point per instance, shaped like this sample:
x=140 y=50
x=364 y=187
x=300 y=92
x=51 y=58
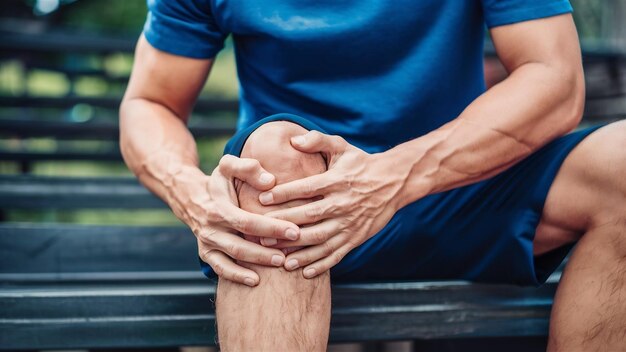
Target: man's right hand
x=209 y=206
x=158 y=147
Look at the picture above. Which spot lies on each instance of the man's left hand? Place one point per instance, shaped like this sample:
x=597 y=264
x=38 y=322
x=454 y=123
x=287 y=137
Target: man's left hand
x=354 y=200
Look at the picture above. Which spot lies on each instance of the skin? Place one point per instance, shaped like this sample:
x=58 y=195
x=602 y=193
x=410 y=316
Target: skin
x=293 y=311
x=541 y=99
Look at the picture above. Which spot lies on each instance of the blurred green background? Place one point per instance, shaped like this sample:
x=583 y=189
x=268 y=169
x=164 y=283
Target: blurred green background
x=118 y=18
x=596 y=20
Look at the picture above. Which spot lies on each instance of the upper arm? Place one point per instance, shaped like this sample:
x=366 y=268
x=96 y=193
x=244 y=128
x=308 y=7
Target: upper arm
x=547 y=50
x=550 y=41
x=170 y=80
x=174 y=54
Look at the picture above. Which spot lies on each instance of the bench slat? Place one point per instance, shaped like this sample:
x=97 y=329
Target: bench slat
x=87 y=292
x=73 y=252
x=157 y=315
x=112 y=154
x=41 y=192
x=112 y=102
x=95 y=130
x=69 y=248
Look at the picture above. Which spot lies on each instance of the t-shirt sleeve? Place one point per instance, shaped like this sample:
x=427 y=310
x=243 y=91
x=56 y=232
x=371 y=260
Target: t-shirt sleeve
x=183 y=27
x=502 y=12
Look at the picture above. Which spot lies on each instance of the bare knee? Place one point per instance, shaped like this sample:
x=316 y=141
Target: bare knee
x=605 y=170
x=589 y=191
x=601 y=169
x=285 y=311
x=270 y=144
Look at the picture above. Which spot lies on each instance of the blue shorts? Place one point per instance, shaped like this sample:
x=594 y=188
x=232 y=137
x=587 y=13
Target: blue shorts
x=481 y=232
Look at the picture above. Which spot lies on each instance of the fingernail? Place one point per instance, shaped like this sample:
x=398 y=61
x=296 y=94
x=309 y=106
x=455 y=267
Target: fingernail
x=277 y=260
x=291 y=264
x=309 y=273
x=291 y=234
x=248 y=281
x=266 y=178
x=269 y=241
x=298 y=140
x=266 y=198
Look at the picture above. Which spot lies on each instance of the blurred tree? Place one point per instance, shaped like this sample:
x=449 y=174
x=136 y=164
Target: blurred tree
x=588 y=17
x=601 y=22
x=122 y=16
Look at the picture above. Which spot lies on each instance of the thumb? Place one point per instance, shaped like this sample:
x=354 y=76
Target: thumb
x=316 y=142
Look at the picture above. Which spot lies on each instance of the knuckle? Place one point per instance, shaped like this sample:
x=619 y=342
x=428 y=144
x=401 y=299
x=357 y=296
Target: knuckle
x=244 y=225
x=247 y=165
x=332 y=208
x=339 y=141
x=213 y=213
x=353 y=243
x=307 y=189
x=313 y=212
x=327 y=249
x=226 y=162
x=343 y=183
x=276 y=230
x=218 y=268
x=237 y=277
x=234 y=221
x=215 y=218
x=204 y=254
x=341 y=204
x=234 y=250
x=208 y=236
x=336 y=257
x=314 y=135
x=255 y=164
x=319 y=237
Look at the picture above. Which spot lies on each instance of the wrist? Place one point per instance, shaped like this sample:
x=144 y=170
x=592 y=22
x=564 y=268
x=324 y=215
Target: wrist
x=404 y=167
x=168 y=175
x=165 y=166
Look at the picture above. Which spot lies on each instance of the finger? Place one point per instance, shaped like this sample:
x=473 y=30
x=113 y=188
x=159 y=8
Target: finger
x=305 y=214
x=259 y=225
x=303 y=188
x=230 y=215
x=250 y=252
x=325 y=264
x=312 y=235
x=225 y=268
x=306 y=256
x=316 y=142
x=247 y=170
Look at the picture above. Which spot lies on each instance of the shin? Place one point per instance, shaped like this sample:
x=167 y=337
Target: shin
x=285 y=312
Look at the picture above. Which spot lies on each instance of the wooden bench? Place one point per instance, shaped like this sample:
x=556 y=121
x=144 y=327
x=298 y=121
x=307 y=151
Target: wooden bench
x=75 y=286
x=79 y=286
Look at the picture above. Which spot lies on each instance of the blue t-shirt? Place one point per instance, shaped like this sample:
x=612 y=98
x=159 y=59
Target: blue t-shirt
x=376 y=72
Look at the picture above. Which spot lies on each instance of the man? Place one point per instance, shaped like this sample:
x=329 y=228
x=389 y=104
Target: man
x=432 y=178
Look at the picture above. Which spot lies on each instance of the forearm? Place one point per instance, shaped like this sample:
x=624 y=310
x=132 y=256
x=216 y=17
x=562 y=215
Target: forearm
x=157 y=147
x=534 y=105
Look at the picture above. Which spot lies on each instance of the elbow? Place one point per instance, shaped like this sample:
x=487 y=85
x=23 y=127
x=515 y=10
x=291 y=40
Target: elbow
x=574 y=102
x=124 y=142
x=122 y=112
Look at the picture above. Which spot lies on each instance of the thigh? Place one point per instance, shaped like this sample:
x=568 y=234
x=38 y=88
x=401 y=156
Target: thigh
x=586 y=189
